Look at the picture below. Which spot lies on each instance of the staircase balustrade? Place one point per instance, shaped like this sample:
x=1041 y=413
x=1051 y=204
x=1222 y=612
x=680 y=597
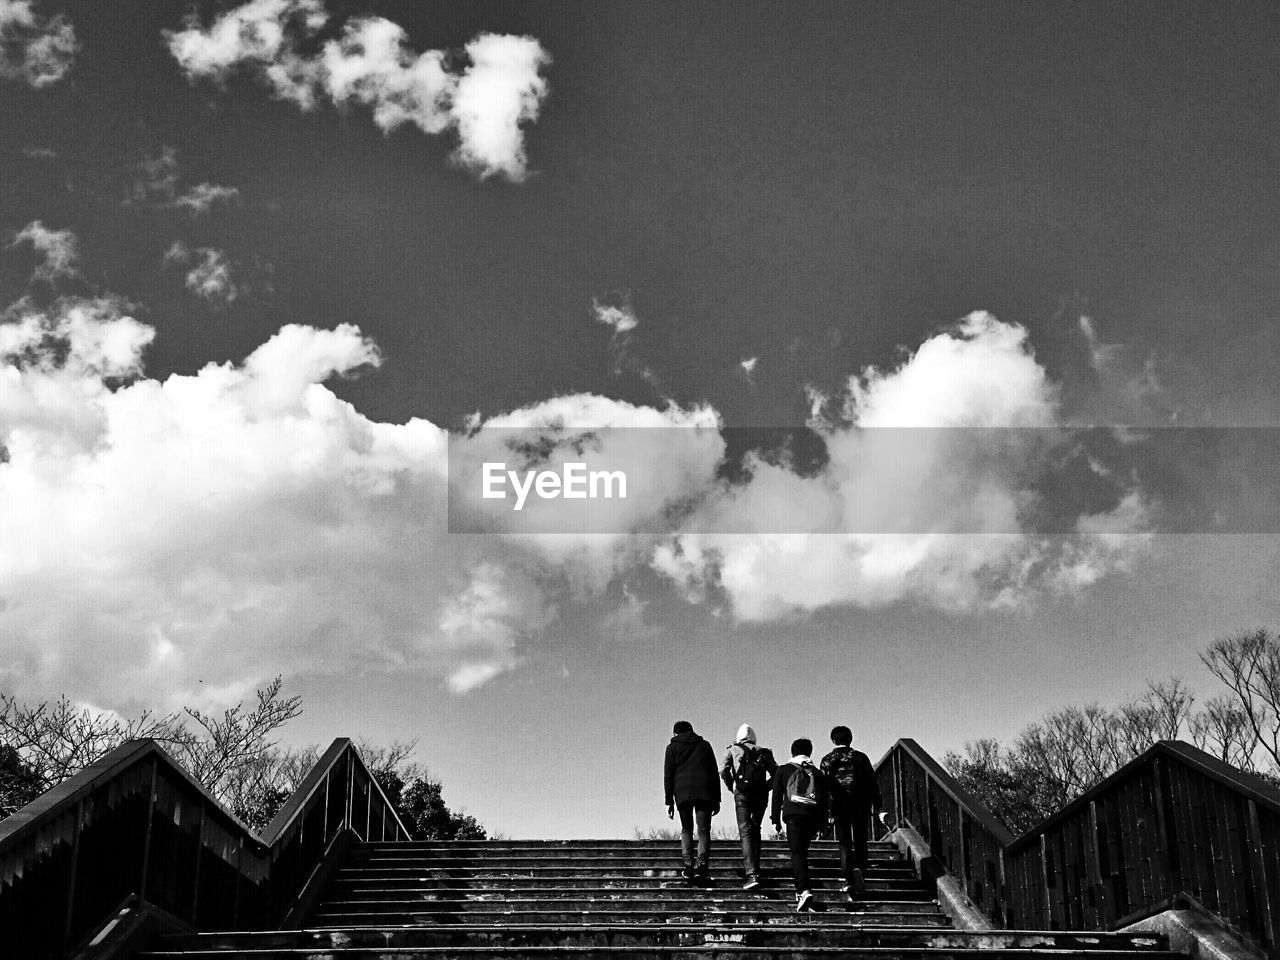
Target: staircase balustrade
x=1174 y=824
x=136 y=825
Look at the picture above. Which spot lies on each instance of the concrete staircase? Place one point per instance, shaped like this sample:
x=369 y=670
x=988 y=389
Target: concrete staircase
x=588 y=899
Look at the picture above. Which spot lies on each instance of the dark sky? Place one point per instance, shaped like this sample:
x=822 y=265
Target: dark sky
x=823 y=187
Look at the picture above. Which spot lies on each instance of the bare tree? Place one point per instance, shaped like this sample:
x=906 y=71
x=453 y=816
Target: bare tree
x=1248 y=663
x=1222 y=728
x=51 y=741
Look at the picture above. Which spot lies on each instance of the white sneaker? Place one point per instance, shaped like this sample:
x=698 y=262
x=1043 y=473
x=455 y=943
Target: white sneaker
x=803 y=900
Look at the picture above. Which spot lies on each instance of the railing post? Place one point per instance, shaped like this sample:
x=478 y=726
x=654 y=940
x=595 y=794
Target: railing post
x=1046 y=901
x=1259 y=870
x=71 y=882
x=351 y=787
x=146 y=840
x=1094 y=866
x=1164 y=860
x=964 y=850
x=325 y=832
x=195 y=885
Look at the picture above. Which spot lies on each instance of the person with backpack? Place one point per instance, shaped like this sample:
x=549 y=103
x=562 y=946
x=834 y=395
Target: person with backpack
x=800 y=801
x=692 y=788
x=747 y=770
x=855 y=794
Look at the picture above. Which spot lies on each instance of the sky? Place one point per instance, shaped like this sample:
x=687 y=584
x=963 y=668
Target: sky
x=272 y=273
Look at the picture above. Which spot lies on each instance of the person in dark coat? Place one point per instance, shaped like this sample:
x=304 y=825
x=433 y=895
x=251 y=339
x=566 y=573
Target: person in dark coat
x=800 y=801
x=854 y=795
x=692 y=787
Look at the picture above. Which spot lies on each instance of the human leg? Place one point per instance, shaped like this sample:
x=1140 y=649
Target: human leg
x=800 y=832
x=702 y=815
x=686 y=837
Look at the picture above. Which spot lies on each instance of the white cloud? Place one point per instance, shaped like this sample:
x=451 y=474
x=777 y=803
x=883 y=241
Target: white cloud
x=620 y=318
x=242 y=520
x=372 y=64
x=209 y=276
x=201 y=198
x=917 y=499
x=157 y=185
x=501 y=89
x=35 y=49
x=59 y=250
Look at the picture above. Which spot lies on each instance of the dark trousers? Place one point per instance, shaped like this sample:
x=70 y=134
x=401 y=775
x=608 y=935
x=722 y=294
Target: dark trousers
x=690 y=811
x=750 y=816
x=851 y=834
x=800 y=833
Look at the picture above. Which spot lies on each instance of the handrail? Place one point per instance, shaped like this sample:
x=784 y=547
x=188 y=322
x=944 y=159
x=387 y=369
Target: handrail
x=963 y=834
x=1173 y=825
x=1251 y=787
x=135 y=823
x=952 y=788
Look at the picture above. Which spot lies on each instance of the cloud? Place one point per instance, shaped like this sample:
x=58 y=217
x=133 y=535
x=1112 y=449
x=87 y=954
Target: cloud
x=59 y=250
x=499 y=90
x=242 y=520
x=621 y=318
x=157 y=185
x=209 y=276
x=201 y=198
x=912 y=452
x=35 y=49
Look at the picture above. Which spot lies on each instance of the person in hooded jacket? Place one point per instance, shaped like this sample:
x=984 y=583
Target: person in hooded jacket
x=693 y=789
x=747 y=770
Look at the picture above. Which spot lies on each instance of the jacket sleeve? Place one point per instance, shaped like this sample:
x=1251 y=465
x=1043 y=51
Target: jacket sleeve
x=669 y=774
x=726 y=768
x=770 y=765
x=876 y=800
x=711 y=770
x=779 y=789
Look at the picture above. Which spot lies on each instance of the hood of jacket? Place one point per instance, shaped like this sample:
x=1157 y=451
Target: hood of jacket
x=688 y=739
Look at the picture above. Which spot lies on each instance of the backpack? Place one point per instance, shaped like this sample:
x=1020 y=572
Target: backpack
x=849 y=776
x=749 y=772
x=803 y=787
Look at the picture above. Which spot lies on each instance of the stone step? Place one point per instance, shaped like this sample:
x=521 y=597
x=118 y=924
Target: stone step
x=625 y=859
x=723 y=872
x=356 y=889
x=805 y=930
x=639 y=918
x=774 y=901
x=726 y=950
x=582 y=845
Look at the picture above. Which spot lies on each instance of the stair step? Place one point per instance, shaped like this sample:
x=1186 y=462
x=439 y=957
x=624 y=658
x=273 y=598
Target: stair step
x=489 y=846
x=549 y=872
x=807 y=930
x=356 y=889
x=713 y=950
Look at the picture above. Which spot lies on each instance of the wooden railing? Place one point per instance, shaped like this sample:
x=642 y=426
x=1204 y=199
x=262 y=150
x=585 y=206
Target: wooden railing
x=136 y=824
x=1174 y=824
x=961 y=832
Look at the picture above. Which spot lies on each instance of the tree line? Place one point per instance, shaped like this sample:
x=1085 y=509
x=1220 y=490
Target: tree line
x=1064 y=753
x=234 y=754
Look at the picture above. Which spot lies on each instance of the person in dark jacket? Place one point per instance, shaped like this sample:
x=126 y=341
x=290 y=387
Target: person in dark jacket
x=747 y=770
x=854 y=796
x=692 y=788
x=800 y=801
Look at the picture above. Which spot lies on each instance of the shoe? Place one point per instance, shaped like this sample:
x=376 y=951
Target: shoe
x=688 y=872
x=752 y=882
x=844 y=888
x=702 y=872
x=859 y=886
x=804 y=899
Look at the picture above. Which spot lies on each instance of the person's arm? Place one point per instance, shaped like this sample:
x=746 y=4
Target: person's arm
x=726 y=769
x=770 y=766
x=713 y=774
x=778 y=789
x=669 y=776
x=877 y=800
